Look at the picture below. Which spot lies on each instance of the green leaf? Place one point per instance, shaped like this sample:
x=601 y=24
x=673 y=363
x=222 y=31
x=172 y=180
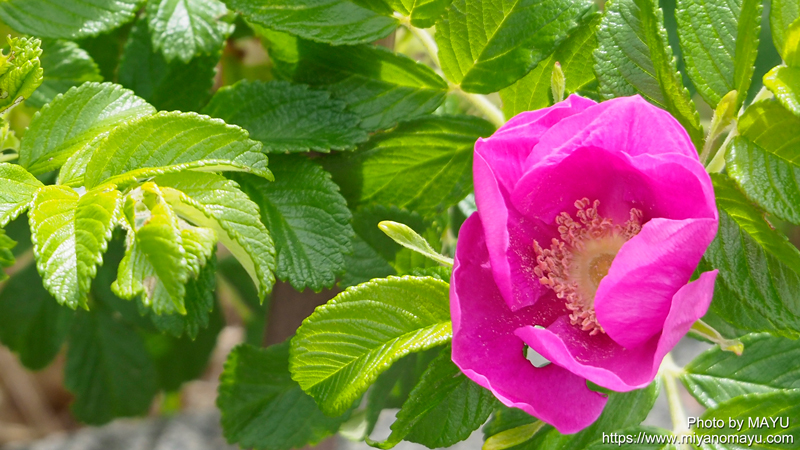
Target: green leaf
x=765 y=159
x=155 y=263
x=423 y=13
x=381 y=87
x=32 y=324
x=183 y=29
x=287 y=117
x=6 y=255
x=364 y=264
x=720 y=42
x=781 y=16
x=485 y=45
x=65 y=65
x=185 y=359
x=641 y=438
x=173 y=142
x=784 y=83
x=199 y=301
x=335 y=22
x=67 y=19
x=19 y=186
x=634 y=57
x=211 y=201
x=20 y=70
x=623 y=410
x=374 y=325
x=72 y=123
x=262 y=408
x=761 y=415
x=423 y=165
x=410 y=239
x=107 y=369
x=767 y=364
x=308 y=220
x=70 y=233
x=166 y=85
x=532 y=92
x=444 y=408
x=758 y=280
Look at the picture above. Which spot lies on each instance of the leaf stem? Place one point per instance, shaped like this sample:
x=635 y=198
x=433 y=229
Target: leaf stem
x=8 y=157
x=708 y=332
x=481 y=102
x=669 y=373
x=718 y=162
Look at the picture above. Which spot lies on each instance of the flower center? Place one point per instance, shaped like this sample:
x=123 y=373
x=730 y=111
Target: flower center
x=574 y=265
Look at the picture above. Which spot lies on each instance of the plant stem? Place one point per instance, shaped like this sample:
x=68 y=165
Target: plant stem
x=718 y=162
x=481 y=102
x=669 y=374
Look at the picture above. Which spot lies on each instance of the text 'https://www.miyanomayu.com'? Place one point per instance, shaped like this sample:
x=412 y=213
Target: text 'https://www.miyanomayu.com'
x=760 y=430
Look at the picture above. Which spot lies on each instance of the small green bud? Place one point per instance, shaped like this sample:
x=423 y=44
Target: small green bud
x=558 y=83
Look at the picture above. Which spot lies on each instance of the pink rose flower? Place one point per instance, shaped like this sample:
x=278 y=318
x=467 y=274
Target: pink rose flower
x=591 y=220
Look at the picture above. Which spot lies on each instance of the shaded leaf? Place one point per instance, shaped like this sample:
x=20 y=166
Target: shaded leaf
x=287 y=117
x=65 y=65
x=263 y=408
x=381 y=87
x=332 y=21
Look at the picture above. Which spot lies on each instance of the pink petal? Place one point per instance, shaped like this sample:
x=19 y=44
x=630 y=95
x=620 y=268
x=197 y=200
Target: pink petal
x=608 y=364
x=626 y=124
x=633 y=300
x=487 y=351
x=498 y=166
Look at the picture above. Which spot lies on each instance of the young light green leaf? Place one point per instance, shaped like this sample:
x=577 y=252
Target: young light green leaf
x=423 y=165
x=19 y=186
x=532 y=92
x=183 y=29
x=444 y=408
x=335 y=22
x=199 y=299
x=308 y=219
x=67 y=19
x=65 y=65
x=767 y=364
x=374 y=325
x=765 y=159
x=173 y=142
x=513 y=436
x=70 y=233
x=719 y=40
x=759 y=269
x=784 y=83
x=408 y=238
x=782 y=14
x=287 y=117
x=155 y=264
x=211 y=201
x=169 y=86
x=768 y=419
x=262 y=408
x=20 y=70
x=422 y=13
x=634 y=57
x=485 y=45
x=380 y=86
x=33 y=325
x=71 y=122
x=107 y=369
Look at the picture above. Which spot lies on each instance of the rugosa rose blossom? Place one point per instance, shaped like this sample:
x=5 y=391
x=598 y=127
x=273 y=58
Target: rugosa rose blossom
x=591 y=220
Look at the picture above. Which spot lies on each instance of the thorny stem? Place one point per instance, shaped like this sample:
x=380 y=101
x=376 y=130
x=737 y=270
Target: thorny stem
x=481 y=102
x=669 y=374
